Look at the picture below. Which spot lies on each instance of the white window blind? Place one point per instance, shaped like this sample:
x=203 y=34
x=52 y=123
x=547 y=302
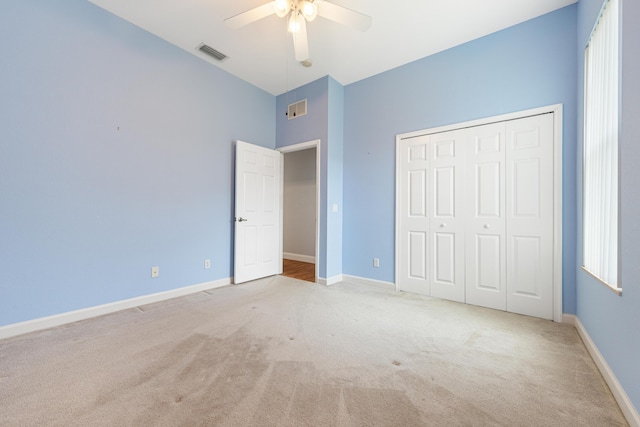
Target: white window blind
x=600 y=191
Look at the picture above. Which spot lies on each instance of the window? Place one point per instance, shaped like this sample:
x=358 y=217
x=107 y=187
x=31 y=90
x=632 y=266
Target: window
x=600 y=168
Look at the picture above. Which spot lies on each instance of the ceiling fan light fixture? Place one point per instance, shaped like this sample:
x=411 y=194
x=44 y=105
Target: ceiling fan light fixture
x=282 y=7
x=309 y=10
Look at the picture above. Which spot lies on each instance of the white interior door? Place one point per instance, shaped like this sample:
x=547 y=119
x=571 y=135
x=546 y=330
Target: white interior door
x=446 y=230
x=485 y=230
x=258 y=244
x=530 y=216
x=413 y=173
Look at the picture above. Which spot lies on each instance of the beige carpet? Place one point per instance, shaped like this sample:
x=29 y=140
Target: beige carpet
x=282 y=352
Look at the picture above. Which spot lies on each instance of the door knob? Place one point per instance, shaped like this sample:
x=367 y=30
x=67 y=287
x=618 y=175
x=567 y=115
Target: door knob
x=487 y=226
x=443 y=225
x=241 y=219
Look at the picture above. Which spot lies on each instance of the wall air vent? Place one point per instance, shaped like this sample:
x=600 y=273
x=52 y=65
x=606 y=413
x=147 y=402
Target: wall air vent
x=218 y=56
x=297 y=109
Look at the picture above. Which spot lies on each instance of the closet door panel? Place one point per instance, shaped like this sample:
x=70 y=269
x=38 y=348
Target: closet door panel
x=413 y=236
x=488 y=262
x=447 y=217
x=530 y=216
x=485 y=224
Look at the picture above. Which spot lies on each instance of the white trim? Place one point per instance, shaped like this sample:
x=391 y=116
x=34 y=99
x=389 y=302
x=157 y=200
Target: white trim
x=281 y=217
x=556 y=109
x=569 y=319
x=330 y=281
x=368 y=282
x=626 y=406
x=557 y=211
x=612 y=288
x=396 y=261
x=39 y=324
x=299 y=147
x=299 y=257
x=480 y=122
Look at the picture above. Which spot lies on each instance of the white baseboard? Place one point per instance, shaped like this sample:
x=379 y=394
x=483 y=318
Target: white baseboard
x=368 y=282
x=626 y=406
x=28 y=326
x=569 y=319
x=298 y=257
x=330 y=281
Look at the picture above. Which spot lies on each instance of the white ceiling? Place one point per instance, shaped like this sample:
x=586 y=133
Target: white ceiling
x=261 y=53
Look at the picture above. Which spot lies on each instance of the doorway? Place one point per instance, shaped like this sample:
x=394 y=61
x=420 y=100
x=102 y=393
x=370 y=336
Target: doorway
x=300 y=203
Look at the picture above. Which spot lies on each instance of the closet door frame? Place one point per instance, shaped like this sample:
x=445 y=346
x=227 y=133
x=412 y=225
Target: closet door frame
x=556 y=110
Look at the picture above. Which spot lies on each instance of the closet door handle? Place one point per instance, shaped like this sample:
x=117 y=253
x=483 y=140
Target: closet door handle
x=487 y=226
x=443 y=225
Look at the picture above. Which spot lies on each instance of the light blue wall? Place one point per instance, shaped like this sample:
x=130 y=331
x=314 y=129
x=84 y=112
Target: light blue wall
x=86 y=209
x=530 y=65
x=335 y=178
x=324 y=121
x=612 y=321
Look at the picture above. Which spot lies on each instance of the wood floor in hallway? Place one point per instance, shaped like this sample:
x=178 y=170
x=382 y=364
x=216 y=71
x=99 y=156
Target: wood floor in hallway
x=299 y=270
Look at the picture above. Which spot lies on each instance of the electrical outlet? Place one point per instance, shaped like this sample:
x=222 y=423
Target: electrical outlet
x=376 y=262
x=207 y=263
x=155 y=272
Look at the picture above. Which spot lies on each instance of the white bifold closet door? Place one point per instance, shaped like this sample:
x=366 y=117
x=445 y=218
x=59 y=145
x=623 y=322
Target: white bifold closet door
x=476 y=215
x=529 y=217
x=485 y=237
x=447 y=219
x=413 y=211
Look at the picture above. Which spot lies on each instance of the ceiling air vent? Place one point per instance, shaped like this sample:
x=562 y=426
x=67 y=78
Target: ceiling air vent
x=218 y=56
x=297 y=109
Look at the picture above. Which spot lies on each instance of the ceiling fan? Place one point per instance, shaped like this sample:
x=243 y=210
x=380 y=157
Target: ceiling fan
x=300 y=12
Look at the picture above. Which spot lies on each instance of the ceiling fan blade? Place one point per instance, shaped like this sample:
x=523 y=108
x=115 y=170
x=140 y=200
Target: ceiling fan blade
x=300 y=42
x=344 y=16
x=250 y=16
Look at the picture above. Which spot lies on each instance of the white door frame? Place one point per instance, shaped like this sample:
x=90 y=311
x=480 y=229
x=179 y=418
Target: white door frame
x=556 y=109
x=299 y=147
